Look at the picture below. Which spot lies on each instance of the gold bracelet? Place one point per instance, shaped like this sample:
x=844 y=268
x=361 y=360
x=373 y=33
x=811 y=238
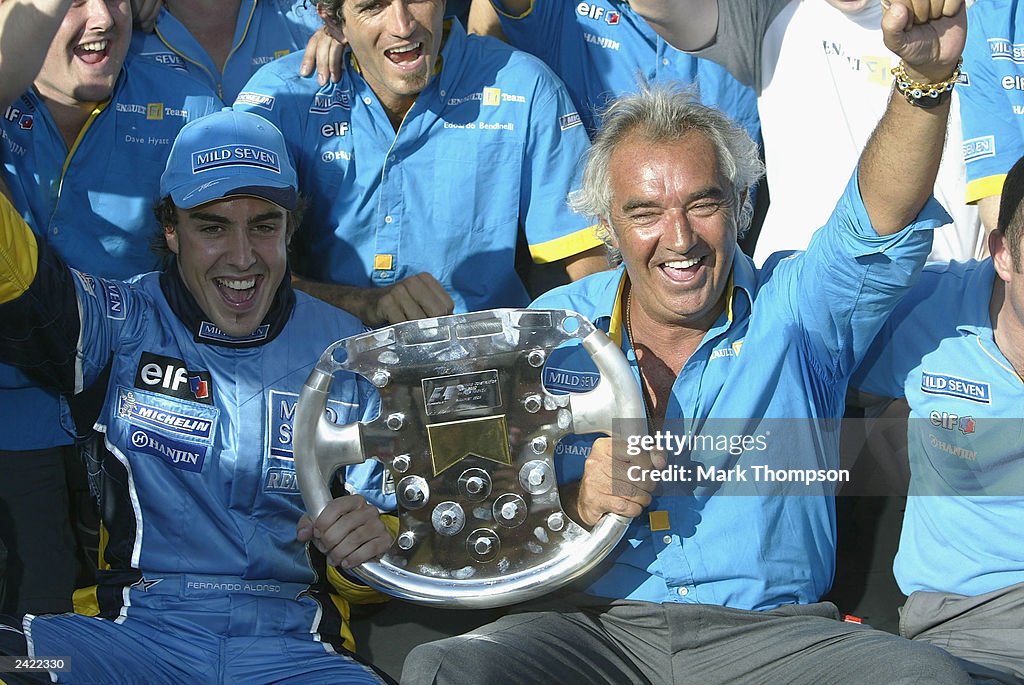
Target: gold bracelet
x=924 y=94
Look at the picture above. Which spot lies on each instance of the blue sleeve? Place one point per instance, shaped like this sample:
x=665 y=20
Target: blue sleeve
x=537 y=31
x=555 y=143
x=988 y=108
x=269 y=93
x=843 y=288
x=65 y=328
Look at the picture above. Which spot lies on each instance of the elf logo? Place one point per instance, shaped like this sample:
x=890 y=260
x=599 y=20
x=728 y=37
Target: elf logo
x=169 y=376
x=334 y=129
x=965 y=424
x=596 y=12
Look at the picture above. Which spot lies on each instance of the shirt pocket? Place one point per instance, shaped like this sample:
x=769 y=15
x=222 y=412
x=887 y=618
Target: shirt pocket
x=476 y=187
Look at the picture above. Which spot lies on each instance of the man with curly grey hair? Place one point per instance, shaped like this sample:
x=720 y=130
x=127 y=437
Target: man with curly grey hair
x=721 y=572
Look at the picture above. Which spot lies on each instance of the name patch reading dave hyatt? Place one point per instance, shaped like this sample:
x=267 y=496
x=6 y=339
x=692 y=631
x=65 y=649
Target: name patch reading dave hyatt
x=710 y=458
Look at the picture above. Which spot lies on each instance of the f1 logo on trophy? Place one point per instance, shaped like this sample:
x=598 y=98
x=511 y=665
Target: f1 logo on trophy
x=468 y=431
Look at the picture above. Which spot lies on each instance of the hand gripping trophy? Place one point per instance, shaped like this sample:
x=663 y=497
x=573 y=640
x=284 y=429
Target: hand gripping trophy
x=468 y=432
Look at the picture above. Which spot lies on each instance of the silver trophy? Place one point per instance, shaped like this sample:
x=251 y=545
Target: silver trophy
x=468 y=431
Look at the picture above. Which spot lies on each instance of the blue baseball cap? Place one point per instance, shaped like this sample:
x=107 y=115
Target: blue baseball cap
x=225 y=154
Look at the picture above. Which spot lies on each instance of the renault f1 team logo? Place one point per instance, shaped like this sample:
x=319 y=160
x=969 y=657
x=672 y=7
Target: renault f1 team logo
x=947 y=421
x=492 y=97
x=596 y=12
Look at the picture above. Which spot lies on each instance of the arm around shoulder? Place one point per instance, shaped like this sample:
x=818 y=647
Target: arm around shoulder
x=686 y=24
x=483 y=18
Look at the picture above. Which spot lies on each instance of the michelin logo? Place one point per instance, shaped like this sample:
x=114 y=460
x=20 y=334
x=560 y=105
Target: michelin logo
x=953 y=386
x=193 y=426
x=256 y=100
x=570 y=120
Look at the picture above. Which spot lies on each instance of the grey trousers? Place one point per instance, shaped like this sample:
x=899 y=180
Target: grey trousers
x=986 y=633
x=586 y=639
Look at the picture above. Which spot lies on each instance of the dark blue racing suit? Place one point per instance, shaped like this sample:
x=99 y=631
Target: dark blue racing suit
x=204 y=580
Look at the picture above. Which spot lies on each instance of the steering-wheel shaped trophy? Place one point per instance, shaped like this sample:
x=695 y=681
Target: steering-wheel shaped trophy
x=468 y=432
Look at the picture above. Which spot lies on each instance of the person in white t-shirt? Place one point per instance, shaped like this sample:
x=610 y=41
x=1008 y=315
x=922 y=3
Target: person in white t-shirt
x=823 y=78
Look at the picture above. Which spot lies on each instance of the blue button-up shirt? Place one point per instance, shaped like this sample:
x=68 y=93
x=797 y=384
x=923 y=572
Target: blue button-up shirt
x=490 y=145
x=93 y=203
x=601 y=48
x=266 y=30
x=775 y=365
x=961 y=530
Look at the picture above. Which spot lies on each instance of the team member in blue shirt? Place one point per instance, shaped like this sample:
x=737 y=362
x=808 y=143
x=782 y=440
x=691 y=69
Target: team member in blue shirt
x=719 y=581
x=423 y=163
x=82 y=152
x=208 y=577
x=600 y=49
x=992 y=100
x=223 y=43
x=953 y=348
